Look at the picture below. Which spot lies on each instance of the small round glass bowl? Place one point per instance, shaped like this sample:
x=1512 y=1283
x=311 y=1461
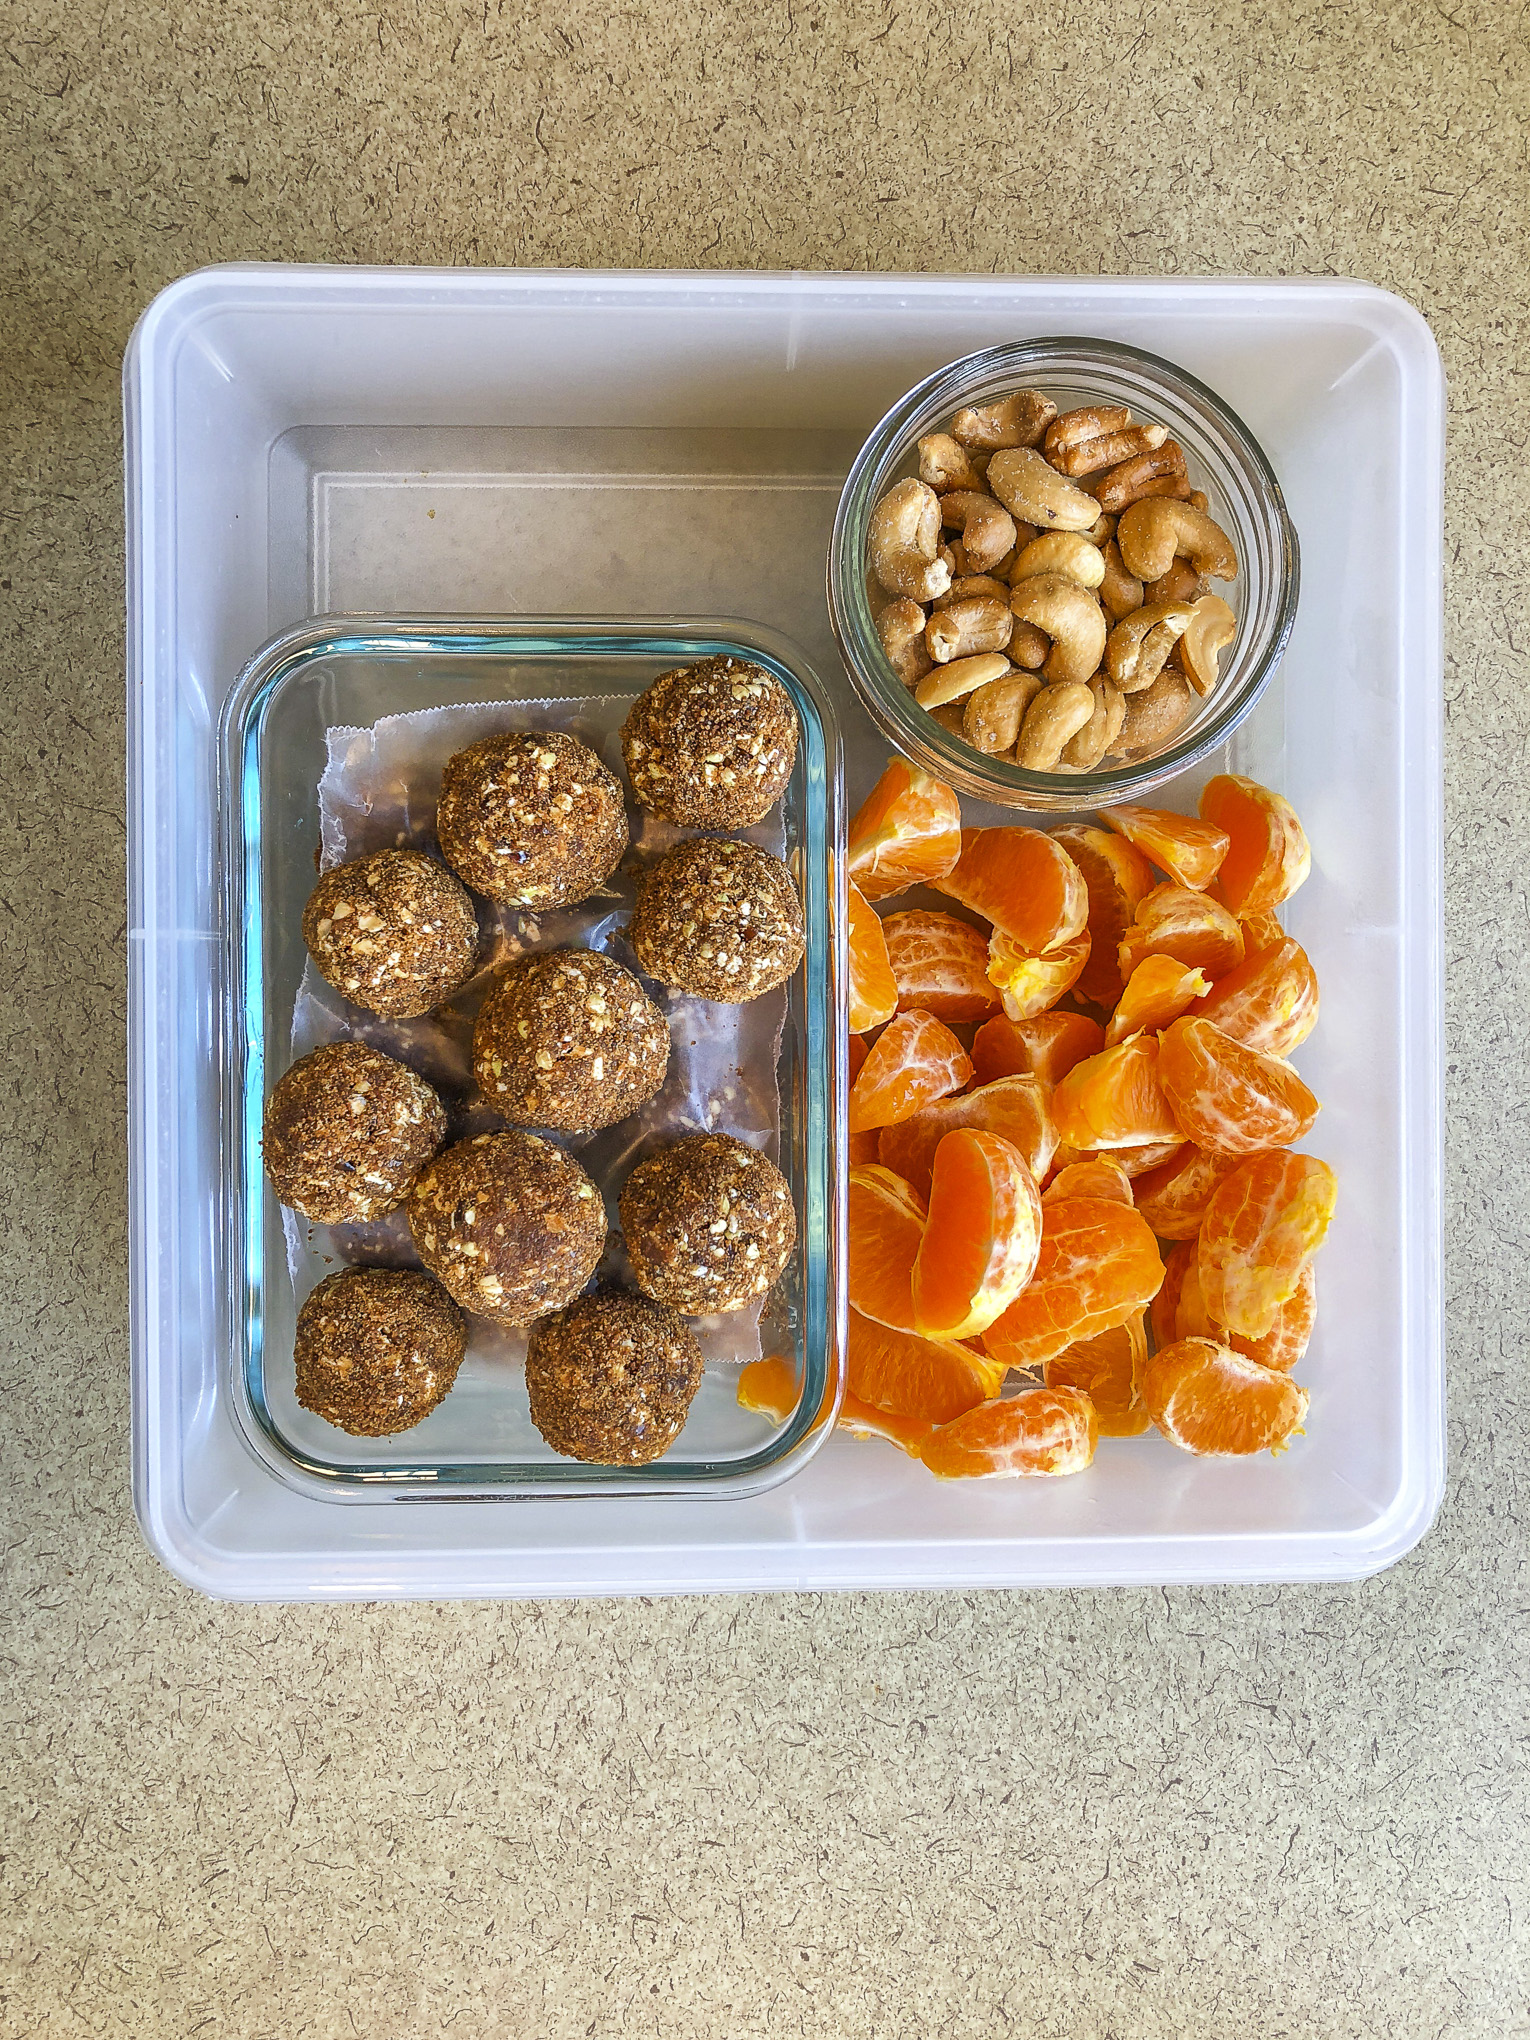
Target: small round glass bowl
x=1223 y=458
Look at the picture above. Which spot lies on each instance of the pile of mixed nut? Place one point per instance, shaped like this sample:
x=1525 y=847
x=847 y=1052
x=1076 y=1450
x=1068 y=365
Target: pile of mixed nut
x=1049 y=580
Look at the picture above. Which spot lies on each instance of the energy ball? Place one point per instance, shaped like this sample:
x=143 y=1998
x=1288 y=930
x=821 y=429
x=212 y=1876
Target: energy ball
x=531 y=819
x=394 y=931
x=719 y=919
x=347 y=1130
x=511 y=1224
x=708 y=1222
x=611 y=1378
x=711 y=746
x=377 y=1349
x=569 y=1040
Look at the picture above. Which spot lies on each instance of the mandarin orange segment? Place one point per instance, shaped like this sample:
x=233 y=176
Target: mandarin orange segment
x=908 y=831
x=1164 y=1315
x=855 y=1055
x=1046 y=1046
x=1209 y=1399
x=1189 y=926
x=1024 y=883
x=862 y=1420
x=1156 y=993
x=1174 y=1196
x=981 y=1237
x=1262 y=1227
x=915 y=1060
x=909 y=1376
x=1136 y=1161
x=885 y=1226
x=1030 y=984
x=770 y=1386
x=873 y=994
x=1097 y=1266
x=1017 y=1108
x=1282 y=1345
x=1270 y=1002
x=1106 y=1368
x=1114 y=1099
x=1116 y=878
x=940 y=965
x=1045 y=1431
x=1229 y=1099
x=1260 y=931
x=1098 y=1177
x=1268 y=855
x=863 y=1147
x=1190 y=851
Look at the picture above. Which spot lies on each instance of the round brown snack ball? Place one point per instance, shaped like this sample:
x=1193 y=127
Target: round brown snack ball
x=511 y=1224
x=718 y=918
x=394 y=931
x=708 y=1222
x=377 y=1349
x=711 y=746
x=611 y=1378
x=347 y=1130
x=569 y=1039
x=531 y=819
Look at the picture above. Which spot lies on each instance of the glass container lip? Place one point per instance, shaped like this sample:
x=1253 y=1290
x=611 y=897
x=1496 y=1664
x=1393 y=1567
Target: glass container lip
x=891 y=705
x=659 y=636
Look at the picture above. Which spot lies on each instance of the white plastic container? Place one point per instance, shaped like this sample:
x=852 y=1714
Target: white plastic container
x=309 y=440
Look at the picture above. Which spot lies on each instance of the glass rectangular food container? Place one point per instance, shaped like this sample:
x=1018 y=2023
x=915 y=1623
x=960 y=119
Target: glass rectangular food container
x=353 y=671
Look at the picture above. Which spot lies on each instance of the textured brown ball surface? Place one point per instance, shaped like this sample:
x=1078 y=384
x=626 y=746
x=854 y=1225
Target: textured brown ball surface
x=511 y=1224
x=611 y=1378
x=531 y=819
x=570 y=1040
x=377 y=1349
x=711 y=746
x=395 y=932
x=718 y=919
x=347 y=1129
x=708 y=1222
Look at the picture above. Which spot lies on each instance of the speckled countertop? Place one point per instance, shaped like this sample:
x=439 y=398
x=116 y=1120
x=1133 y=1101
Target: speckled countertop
x=1191 y=1814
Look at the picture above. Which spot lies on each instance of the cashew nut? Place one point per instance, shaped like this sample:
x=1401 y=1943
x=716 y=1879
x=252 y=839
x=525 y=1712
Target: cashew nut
x=1103 y=527
x=904 y=542
x=973 y=584
x=1153 y=716
x=988 y=532
x=944 y=463
x=1151 y=533
x=1120 y=591
x=1061 y=552
x=1071 y=618
x=993 y=713
x=1199 y=498
x=1073 y=428
x=900 y=626
x=1087 y=746
x=1141 y=476
x=950 y=683
x=1180 y=584
x=1019 y=420
x=1056 y=714
x=1139 y=645
x=1211 y=629
x=1029 y=647
x=1029 y=487
x=1098 y=436
x=981 y=623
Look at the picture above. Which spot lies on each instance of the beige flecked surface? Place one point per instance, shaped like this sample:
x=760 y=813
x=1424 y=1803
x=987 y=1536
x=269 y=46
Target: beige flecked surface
x=1118 y=1816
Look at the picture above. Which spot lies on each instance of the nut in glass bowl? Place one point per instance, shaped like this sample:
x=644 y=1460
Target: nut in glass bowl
x=982 y=584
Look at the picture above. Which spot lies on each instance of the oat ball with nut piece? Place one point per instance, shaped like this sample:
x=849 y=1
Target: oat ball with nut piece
x=719 y=919
x=347 y=1130
x=531 y=819
x=395 y=932
x=377 y=1349
x=511 y=1224
x=569 y=1039
x=708 y=1222
x=611 y=1378
x=711 y=746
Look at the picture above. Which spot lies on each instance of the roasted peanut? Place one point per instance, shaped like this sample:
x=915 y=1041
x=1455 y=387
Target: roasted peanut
x=992 y=714
x=1087 y=746
x=1139 y=645
x=1071 y=618
x=1211 y=629
x=1019 y=420
x=1029 y=487
x=904 y=542
x=1029 y=647
x=1061 y=552
x=987 y=529
x=900 y=626
x=951 y=683
x=1132 y=479
x=1151 y=534
x=981 y=623
x=949 y=715
x=1056 y=714
x=1153 y=716
x=1120 y=591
